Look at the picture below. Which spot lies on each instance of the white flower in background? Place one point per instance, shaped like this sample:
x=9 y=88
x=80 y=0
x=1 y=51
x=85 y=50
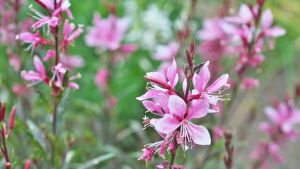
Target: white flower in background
x=157 y=26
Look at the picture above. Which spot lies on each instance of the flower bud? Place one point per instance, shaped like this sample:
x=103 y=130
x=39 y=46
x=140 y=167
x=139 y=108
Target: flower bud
x=2 y=111
x=12 y=118
x=27 y=164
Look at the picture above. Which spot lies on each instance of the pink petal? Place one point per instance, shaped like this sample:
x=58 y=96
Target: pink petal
x=172 y=74
x=201 y=80
x=149 y=94
x=152 y=107
x=50 y=54
x=128 y=48
x=27 y=37
x=275 y=32
x=31 y=76
x=272 y=114
x=199 y=134
x=167 y=124
x=176 y=106
x=198 y=109
x=220 y=82
x=245 y=12
x=39 y=66
x=73 y=85
x=156 y=76
x=267 y=19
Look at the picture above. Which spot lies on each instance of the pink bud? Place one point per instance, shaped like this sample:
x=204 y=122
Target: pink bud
x=7 y=165
x=27 y=164
x=2 y=111
x=12 y=118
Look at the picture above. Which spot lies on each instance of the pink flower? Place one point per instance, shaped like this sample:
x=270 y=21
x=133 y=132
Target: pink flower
x=249 y=83
x=14 y=60
x=39 y=75
x=128 y=48
x=49 y=55
x=213 y=92
x=148 y=154
x=267 y=21
x=33 y=39
x=59 y=78
x=101 y=78
x=218 y=133
x=286 y=116
x=164 y=81
x=20 y=90
x=179 y=118
x=70 y=34
x=107 y=33
x=71 y=62
x=167 y=52
x=245 y=15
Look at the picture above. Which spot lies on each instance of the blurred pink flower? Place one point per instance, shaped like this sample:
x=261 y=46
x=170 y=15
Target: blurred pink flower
x=148 y=154
x=284 y=117
x=167 y=52
x=107 y=33
x=101 y=78
x=71 y=62
x=218 y=133
x=33 y=39
x=14 y=60
x=20 y=90
x=27 y=164
x=70 y=34
x=249 y=83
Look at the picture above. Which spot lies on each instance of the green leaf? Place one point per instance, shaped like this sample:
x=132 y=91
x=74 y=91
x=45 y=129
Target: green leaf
x=96 y=161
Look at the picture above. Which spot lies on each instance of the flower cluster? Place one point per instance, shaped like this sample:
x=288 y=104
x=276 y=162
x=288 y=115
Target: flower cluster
x=4 y=134
x=252 y=28
x=214 y=42
x=176 y=111
x=57 y=77
x=279 y=129
x=246 y=33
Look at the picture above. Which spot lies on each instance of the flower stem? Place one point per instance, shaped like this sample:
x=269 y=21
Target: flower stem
x=5 y=151
x=173 y=156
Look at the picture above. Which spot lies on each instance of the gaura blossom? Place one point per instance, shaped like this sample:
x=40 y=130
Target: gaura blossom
x=176 y=111
x=213 y=92
x=35 y=77
x=250 y=29
x=280 y=128
x=215 y=42
x=34 y=40
x=249 y=83
x=107 y=33
x=283 y=120
x=180 y=117
x=164 y=81
x=70 y=34
x=56 y=10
